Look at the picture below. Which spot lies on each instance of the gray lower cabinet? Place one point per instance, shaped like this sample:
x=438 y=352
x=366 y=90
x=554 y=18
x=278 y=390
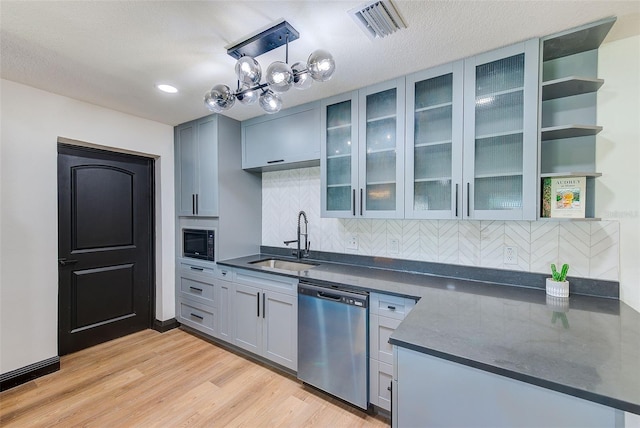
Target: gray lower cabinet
x=204 y=298
x=265 y=316
x=255 y=311
x=431 y=391
x=288 y=139
x=386 y=312
x=224 y=296
x=196 y=302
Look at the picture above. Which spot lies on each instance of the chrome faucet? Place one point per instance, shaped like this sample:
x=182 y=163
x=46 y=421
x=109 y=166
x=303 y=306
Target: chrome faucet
x=301 y=252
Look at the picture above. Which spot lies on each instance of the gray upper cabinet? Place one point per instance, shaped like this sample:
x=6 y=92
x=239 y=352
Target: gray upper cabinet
x=339 y=155
x=196 y=153
x=288 y=139
x=433 y=165
x=362 y=153
x=472 y=139
x=500 y=134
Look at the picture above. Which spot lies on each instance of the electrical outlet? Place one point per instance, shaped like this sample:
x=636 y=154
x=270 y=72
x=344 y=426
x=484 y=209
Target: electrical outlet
x=393 y=246
x=352 y=242
x=510 y=255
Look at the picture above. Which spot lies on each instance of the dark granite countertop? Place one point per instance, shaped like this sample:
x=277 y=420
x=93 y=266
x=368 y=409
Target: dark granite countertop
x=589 y=348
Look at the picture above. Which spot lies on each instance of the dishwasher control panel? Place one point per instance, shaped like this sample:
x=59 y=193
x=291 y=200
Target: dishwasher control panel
x=338 y=295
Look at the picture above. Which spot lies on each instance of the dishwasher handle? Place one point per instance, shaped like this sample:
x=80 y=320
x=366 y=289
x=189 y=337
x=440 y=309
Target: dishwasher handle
x=328 y=296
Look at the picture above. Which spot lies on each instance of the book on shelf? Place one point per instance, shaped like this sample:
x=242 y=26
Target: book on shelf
x=564 y=197
x=546 y=198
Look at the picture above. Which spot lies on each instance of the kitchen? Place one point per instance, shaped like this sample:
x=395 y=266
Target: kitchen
x=29 y=142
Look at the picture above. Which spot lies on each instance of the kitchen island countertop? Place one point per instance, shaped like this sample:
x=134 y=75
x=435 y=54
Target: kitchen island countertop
x=588 y=348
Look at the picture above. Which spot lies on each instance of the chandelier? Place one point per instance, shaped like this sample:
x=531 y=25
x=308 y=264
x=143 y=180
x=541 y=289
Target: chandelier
x=280 y=77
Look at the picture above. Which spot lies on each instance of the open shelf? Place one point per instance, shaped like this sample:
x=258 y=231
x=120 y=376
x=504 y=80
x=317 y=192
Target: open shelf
x=578 y=40
x=571 y=174
x=569 y=102
x=570 y=219
x=568 y=131
x=569 y=86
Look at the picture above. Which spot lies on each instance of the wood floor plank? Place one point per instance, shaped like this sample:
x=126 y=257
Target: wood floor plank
x=173 y=379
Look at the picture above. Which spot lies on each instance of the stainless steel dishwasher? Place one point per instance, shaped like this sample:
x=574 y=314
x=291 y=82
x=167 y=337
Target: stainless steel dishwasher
x=333 y=341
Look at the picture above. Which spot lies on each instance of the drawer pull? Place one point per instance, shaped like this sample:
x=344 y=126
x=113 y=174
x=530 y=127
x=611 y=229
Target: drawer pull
x=224 y=273
x=391 y=308
x=196 y=289
x=196 y=268
x=276 y=161
x=197 y=316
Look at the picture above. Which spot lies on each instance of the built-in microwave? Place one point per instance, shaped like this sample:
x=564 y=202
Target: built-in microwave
x=198 y=244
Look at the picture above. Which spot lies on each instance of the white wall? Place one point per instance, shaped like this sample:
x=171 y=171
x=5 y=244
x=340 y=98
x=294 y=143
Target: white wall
x=618 y=155
x=31 y=121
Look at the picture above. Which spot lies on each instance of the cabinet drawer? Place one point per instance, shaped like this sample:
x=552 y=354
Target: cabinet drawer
x=380 y=329
x=264 y=280
x=198 y=316
x=390 y=306
x=195 y=268
x=194 y=287
x=380 y=377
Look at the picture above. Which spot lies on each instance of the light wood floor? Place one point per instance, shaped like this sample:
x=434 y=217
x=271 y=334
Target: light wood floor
x=173 y=379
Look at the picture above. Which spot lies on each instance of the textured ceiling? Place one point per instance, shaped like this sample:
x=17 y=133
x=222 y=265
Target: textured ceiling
x=112 y=53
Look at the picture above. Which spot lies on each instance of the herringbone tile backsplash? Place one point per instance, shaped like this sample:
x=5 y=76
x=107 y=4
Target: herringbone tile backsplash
x=591 y=248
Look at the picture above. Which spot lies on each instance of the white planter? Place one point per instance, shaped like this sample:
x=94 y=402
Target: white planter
x=557 y=288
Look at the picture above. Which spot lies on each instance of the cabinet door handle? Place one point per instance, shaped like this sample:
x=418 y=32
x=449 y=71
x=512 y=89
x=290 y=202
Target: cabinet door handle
x=391 y=396
x=258 y=304
x=361 y=201
x=276 y=161
x=197 y=204
x=264 y=308
x=196 y=289
x=468 y=199
x=197 y=316
x=193 y=203
x=456 y=200
x=65 y=262
x=196 y=268
x=354 y=202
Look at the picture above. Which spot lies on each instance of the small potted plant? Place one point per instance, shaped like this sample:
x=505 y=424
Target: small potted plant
x=558 y=286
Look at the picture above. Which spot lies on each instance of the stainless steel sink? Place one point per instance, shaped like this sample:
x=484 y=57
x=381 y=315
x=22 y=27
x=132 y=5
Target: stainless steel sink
x=283 y=264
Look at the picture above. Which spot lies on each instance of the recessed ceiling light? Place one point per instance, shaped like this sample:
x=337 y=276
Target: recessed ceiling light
x=167 y=88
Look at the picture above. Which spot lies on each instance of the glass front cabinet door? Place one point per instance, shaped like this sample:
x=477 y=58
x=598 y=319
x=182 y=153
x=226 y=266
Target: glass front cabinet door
x=433 y=169
x=500 y=140
x=362 y=153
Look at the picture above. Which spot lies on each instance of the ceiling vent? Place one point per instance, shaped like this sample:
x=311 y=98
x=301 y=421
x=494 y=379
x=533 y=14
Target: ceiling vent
x=377 y=19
